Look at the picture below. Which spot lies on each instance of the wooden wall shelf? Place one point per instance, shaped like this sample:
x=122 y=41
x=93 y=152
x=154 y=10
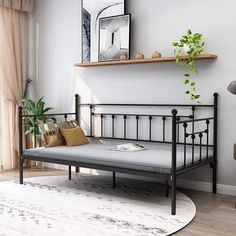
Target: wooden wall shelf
x=143 y=61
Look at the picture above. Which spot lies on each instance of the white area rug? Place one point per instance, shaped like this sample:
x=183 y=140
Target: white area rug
x=89 y=206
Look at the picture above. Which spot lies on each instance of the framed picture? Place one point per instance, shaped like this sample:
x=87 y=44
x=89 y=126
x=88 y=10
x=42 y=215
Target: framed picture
x=92 y=11
x=114 y=38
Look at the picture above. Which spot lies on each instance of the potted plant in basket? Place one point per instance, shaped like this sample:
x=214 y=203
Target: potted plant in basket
x=187 y=49
x=31 y=123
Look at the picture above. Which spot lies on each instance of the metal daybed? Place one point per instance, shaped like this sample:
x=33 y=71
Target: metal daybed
x=187 y=142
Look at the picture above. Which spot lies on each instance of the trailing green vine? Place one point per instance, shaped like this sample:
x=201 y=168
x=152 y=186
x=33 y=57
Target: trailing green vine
x=190 y=46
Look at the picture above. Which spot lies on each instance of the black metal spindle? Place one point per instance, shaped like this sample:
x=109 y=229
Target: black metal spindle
x=125 y=120
x=113 y=126
x=164 y=128
x=65 y=117
x=102 y=117
x=193 y=115
x=77 y=108
x=35 y=145
x=178 y=130
x=150 y=128
x=200 y=148
x=91 y=120
x=207 y=138
x=137 y=127
x=185 y=141
x=193 y=141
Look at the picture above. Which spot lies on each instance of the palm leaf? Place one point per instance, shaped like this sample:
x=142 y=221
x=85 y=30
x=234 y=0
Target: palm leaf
x=47 y=109
x=29 y=105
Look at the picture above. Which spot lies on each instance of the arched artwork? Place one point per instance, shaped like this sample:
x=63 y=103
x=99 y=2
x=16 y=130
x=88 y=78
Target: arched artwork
x=92 y=11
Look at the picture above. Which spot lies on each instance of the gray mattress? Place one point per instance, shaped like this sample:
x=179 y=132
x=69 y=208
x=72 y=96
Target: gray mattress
x=157 y=158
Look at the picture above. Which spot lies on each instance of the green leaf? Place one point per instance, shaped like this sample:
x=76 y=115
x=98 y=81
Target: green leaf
x=187 y=92
x=28 y=104
x=196 y=96
x=39 y=101
x=187 y=75
x=193 y=84
x=186 y=81
x=189 y=32
x=40 y=107
x=200 y=51
x=47 y=109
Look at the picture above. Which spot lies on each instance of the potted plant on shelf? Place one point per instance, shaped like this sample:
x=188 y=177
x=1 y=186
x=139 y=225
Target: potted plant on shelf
x=187 y=49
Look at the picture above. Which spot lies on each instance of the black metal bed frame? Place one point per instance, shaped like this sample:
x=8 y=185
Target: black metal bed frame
x=177 y=122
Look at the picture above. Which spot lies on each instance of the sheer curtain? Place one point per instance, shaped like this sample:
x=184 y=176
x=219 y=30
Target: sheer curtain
x=13 y=75
x=1 y=123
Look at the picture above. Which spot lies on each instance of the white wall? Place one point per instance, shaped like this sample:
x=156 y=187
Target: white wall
x=155 y=24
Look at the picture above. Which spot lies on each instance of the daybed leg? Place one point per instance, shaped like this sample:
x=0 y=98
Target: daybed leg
x=21 y=171
x=214 y=178
x=214 y=162
x=173 y=171
x=173 y=196
x=69 y=172
x=114 y=179
x=77 y=169
x=167 y=188
x=21 y=159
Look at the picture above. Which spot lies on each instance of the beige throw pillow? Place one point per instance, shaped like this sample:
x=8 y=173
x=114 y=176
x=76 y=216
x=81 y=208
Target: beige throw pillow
x=55 y=127
x=51 y=139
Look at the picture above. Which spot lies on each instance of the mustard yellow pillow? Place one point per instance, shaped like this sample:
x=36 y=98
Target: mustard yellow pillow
x=74 y=136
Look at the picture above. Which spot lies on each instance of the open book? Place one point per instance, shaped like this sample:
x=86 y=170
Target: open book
x=128 y=147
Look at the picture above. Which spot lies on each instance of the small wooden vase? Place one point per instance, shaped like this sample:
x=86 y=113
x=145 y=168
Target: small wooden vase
x=156 y=54
x=123 y=58
x=139 y=56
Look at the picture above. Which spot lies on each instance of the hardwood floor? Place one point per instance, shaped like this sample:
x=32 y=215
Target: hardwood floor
x=216 y=214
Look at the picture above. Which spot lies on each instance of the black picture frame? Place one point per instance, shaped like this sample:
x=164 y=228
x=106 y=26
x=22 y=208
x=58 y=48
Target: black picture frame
x=82 y=31
x=129 y=35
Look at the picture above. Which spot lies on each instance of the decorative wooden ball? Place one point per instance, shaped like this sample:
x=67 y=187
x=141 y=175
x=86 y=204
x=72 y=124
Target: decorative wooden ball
x=123 y=58
x=156 y=54
x=139 y=56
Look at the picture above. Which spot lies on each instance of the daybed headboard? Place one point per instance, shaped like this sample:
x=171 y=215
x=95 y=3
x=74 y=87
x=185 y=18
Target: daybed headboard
x=190 y=126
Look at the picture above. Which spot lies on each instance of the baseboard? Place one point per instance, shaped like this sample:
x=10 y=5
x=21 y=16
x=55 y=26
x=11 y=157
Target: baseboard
x=206 y=187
